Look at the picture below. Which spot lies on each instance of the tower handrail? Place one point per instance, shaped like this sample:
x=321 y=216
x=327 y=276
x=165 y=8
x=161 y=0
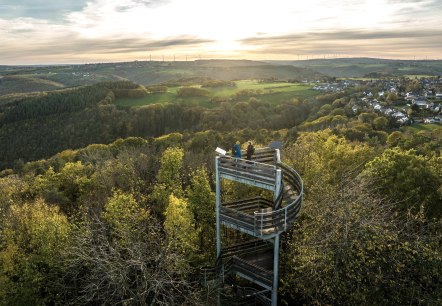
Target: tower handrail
x=246 y=162
x=279 y=220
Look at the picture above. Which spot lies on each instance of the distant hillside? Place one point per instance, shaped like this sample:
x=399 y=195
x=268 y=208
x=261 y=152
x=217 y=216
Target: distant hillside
x=26 y=84
x=360 y=67
x=148 y=73
x=29 y=79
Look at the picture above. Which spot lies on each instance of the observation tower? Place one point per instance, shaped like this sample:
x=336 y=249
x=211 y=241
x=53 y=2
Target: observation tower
x=249 y=229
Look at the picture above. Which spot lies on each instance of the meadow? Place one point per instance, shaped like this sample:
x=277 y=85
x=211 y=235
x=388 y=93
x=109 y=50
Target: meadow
x=421 y=127
x=270 y=92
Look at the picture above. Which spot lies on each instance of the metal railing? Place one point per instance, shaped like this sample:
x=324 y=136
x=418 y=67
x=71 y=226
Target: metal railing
x=242 y=169
x=263 y=222
x=276 y=221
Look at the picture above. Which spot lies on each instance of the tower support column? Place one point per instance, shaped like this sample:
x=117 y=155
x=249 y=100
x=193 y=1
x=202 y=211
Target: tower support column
x=218 y=206
x=275 y=271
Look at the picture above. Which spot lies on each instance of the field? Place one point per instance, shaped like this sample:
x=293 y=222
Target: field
x=272 y=92
x=422 y=127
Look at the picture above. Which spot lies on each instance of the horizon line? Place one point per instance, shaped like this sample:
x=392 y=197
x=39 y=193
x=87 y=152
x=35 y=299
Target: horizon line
x=313 y=58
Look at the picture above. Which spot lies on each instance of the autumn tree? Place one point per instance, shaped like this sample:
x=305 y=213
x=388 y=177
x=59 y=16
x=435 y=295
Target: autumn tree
x=349 y=249
x=179 y=225
x=168 y=178
x=202 y=205
x=324 y=160
x=122 y=257
x=380 y=123
x=32 y=243
x=406 y=178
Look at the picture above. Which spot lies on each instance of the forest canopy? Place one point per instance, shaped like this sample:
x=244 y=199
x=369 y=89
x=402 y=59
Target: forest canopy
x=107 y=204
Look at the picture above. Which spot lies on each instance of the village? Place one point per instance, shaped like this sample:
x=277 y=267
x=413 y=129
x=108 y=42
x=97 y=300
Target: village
x=408 y=101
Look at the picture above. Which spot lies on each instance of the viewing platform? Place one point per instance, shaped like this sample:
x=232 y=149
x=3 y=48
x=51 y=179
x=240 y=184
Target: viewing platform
x=262 y=219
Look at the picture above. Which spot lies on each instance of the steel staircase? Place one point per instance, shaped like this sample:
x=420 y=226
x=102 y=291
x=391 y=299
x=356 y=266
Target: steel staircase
x=263 y=220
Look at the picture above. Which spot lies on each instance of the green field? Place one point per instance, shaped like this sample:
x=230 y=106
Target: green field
x=273 y=93
x=150 y=99
x=422 y=127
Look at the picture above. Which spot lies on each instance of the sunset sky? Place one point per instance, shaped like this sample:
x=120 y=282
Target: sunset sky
x=80 y=31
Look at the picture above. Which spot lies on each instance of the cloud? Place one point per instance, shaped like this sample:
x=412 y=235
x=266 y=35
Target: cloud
x=73 y=49
x=39 y=9
x=43 y=30
x=133 y=4
x=399 y=44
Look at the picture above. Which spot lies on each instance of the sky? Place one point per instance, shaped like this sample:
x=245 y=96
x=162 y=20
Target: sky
x=91 y=31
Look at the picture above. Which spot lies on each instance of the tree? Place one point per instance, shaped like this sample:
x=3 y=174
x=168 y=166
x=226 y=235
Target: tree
x=367 y=117
x=31 y=255
x=414 y=85
x=123 y=258
x=405 y=178
x=179 y=225
x=66 y=186
x=202 y=205
x=380 y=123
x=394 y=138
x=122 y=212
x=170 y=169
x=392 y=97
x=324 y=160
x=168 y=178
x=349 y=249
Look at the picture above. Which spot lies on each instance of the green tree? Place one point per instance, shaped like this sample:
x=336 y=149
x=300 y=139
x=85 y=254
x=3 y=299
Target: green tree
x=170 y=169
x=367 y=117
x=31 y=254
x=392 y=97
x=122 y=212
x=202 y=205
x=406 y=178
x=324 y=160
x=168 y=178
x=349 y=249
x=179 y=225
x=394 y=138
x=380 y=123
x=66 y=186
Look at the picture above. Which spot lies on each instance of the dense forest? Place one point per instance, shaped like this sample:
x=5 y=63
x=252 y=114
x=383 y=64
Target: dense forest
x=107 y=204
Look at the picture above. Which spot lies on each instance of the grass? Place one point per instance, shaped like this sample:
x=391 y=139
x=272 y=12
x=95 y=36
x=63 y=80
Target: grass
x=421 y=127
x=153 y=98
x=273 y=93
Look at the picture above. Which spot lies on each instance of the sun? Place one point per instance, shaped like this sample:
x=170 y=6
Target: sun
x=228 y=48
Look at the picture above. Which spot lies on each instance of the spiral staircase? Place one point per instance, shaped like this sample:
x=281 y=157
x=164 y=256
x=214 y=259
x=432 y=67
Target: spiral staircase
x=261 y=220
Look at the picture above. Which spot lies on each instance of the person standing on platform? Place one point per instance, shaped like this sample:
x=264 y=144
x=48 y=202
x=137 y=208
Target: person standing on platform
x=236 y=151
x=250 y=151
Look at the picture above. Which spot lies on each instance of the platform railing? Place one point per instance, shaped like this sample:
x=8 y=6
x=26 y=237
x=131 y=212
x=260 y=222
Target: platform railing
x=276 y=221
x=239 y=169
x=268 y=222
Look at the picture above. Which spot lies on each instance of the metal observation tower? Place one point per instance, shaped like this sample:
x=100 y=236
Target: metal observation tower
x=249 y=263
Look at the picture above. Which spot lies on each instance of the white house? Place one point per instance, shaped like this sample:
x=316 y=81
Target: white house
x=399 y=115
x=421 y=102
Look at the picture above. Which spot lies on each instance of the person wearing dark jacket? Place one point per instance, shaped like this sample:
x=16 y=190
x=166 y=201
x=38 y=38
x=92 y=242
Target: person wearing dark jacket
x=250 y=151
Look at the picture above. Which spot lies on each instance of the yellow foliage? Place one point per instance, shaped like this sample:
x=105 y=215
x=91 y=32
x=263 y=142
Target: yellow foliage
x=180 y=226
x=34 y=237
x=123 y=212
